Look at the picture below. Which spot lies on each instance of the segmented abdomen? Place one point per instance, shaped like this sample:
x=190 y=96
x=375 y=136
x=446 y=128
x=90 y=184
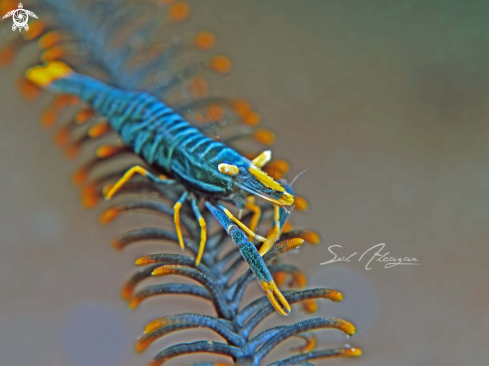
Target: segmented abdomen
x=157 y=133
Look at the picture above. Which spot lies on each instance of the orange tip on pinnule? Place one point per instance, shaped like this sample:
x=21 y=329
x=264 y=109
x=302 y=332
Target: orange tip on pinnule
x=89 y=202
x=155 y=325
x=199 y=86
x=35 y=30
x=216 y=112
x=281 y=165
x=346 y=327
x=200 y=118
x=311 y=343
x=134 y=302
x=126 y=291
x=155 y=363
x=221 y=64
x=80 y=176
x=72 y=152
x=62 y=137
x=117 y=244
x=49 y=39
x=279 y=278
x=179 y=11
x=7 y=55
x=334 y=295
x=277 y=169
x=300 y=280
x=89 y=197
x=353 y=352
x=48 y=118
x=300 y=204
x=310 y=306
x=84 y=115
x=205 y=40
x=293 y=243
x=263 y=136
x=241 y=106
x=43 y=76
x=161 y=271
x=142 y=261
x=63 y=100
x=311 y=237
x=108 y=215
x=287 y=227
x=99 y=129
x=28 y=90
x=52 y=54
x=251 y=118
x=105 y=151
x=141 y=345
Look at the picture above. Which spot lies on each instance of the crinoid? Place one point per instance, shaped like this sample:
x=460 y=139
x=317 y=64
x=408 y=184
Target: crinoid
x=112 y=41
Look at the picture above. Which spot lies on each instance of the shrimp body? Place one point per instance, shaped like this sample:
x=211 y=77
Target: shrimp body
x=208 y=169
x=172 y=145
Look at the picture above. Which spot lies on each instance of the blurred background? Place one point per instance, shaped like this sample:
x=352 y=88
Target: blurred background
x=383 y=105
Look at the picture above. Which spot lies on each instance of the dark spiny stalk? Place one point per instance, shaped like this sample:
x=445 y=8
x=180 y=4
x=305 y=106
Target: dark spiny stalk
x=96 y=25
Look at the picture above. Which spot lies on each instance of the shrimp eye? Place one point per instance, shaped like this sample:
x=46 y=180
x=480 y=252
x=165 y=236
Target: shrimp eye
x=228 y=169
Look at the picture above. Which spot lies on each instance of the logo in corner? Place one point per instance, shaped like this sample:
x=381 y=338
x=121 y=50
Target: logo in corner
x=20 y=17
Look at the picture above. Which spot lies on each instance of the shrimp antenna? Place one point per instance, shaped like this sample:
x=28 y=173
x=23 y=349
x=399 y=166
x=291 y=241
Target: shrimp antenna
x=289 y=184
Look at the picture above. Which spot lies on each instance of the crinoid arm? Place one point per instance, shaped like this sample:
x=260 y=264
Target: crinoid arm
x=101 y=69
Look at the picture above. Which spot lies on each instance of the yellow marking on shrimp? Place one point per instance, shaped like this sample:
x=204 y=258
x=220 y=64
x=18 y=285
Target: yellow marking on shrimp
x=128 y=175
x=287 y=199
x=253 y=207
x=203 y=238
x=275 y=297
x=244 y=227
x=228 y=169
x=262 y=159
x=43 y=76
x=274 y=233
x=176 y=217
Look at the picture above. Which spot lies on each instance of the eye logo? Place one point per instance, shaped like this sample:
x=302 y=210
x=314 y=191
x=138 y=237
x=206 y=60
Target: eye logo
x=20 y=17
